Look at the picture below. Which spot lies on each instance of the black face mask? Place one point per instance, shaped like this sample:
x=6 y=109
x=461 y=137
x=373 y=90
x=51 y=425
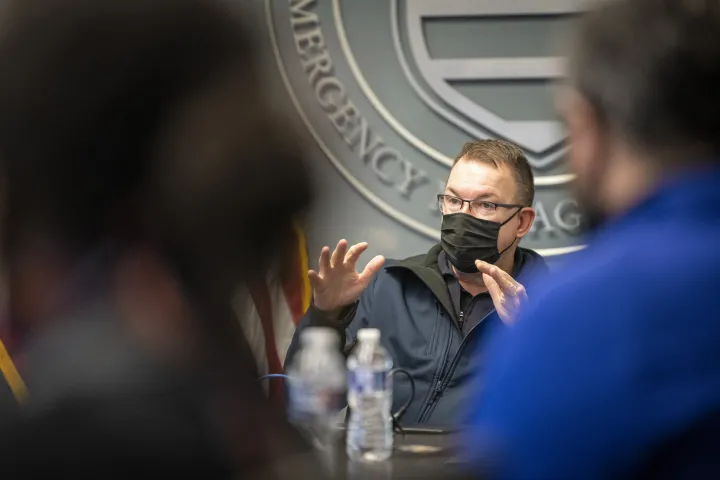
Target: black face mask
x=466 y=238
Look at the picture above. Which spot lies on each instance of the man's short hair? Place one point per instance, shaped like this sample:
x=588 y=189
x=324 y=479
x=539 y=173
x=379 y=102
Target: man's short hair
x=651 y=69
x=503 y=154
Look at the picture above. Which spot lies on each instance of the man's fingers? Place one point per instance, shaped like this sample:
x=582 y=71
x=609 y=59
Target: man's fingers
x=339 y=253
x=484 y=267
x=518 y=303
x=494 y=290
x=324 y=261
x=314 y=278
x=508 y=295
x=354 y=253
x=372 y=268
x=521 y=294
x=505 y=281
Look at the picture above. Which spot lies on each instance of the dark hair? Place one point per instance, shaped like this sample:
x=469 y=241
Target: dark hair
x=98 y=96
x=502 y=153
x=651 y=69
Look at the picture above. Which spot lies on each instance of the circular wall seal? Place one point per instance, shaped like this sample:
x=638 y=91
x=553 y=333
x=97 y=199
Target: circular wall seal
x=391 y=89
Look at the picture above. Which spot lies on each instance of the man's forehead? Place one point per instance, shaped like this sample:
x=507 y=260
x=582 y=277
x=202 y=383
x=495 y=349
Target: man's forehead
x=476 y=192
x=480 y=178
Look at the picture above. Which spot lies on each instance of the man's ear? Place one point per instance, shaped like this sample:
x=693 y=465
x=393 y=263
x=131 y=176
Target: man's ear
x=527 y=217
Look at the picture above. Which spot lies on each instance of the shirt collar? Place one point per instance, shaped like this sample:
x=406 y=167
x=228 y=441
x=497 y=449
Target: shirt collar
x=447 y=270
x=444 y=265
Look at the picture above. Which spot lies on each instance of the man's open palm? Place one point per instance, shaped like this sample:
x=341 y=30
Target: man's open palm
x=337 y=283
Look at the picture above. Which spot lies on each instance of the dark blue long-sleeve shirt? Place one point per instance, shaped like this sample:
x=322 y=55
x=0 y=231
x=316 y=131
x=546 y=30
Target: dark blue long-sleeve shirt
x=618 y=355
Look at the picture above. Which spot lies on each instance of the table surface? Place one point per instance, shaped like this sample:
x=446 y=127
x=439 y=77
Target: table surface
x=405 y=463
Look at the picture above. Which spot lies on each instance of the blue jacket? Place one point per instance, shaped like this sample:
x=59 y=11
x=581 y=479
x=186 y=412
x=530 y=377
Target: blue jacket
x=409 y=302
x=615 y=371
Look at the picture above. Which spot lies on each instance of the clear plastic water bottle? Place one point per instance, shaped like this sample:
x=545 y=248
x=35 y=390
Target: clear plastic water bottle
x=369 y=430
x=316 y=387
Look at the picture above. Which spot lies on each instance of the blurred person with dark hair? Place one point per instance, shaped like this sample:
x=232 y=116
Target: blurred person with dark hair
x=614 y=369
x=143 y=177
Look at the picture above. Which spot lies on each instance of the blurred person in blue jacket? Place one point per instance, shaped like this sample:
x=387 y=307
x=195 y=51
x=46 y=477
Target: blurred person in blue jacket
x=613 y=370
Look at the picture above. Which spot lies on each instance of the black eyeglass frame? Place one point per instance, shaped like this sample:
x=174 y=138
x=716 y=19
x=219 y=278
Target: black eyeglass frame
x=442 y=196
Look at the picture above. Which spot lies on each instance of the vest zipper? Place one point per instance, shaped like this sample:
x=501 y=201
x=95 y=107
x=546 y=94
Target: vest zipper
x=441 y=384
x=456 y=358
x=438 y=383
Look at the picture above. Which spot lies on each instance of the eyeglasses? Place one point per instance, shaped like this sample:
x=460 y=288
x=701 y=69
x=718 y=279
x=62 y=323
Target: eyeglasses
x=450 y=204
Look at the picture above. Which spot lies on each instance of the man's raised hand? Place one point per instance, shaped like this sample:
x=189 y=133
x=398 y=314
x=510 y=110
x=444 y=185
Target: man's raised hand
x=507 y=294
x=336 y=283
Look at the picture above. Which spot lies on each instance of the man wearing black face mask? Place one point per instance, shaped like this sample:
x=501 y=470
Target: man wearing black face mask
x=435 y=309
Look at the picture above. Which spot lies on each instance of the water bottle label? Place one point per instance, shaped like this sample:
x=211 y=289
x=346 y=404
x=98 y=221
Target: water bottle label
x=368 y=381
x=312 y=402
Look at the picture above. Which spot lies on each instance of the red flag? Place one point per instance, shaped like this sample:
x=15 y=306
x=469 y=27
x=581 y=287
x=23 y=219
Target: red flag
x=269 y=321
